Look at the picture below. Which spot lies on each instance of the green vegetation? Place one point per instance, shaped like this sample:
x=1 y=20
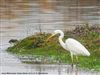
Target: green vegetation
x=51 y=52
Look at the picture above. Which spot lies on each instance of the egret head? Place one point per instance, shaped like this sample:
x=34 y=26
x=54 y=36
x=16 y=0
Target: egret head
x=55 y=33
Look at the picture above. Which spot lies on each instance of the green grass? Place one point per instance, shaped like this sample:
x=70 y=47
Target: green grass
x=36 y=46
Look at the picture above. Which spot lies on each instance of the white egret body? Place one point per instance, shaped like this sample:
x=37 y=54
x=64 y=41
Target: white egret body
x=72 y=45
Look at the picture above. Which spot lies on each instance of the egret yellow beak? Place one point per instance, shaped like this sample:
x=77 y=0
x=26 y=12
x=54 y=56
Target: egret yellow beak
x=50 y=37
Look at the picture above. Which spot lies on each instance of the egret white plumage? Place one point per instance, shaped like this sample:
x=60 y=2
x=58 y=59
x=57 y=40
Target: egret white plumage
x=72 y=45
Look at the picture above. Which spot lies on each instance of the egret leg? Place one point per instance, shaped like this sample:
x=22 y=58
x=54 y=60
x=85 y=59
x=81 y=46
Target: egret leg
x=72 y=59
x=76 y=64
x=76 y=59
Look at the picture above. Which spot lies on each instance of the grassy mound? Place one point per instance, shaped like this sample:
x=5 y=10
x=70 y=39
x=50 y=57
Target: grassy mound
x=51 y=52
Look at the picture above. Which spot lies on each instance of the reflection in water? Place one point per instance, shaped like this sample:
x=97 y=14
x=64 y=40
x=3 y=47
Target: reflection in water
x=10 y=8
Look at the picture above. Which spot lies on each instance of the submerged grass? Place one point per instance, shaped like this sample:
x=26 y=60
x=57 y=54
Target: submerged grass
x=52 y=52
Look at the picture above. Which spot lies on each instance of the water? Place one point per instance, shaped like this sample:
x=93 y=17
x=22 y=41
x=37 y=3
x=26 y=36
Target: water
x=10 y=64
x=25 y=21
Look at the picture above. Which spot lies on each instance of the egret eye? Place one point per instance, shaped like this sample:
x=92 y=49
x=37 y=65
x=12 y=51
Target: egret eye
x=58 y=34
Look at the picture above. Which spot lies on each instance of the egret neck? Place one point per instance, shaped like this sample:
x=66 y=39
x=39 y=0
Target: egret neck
x=61 y=41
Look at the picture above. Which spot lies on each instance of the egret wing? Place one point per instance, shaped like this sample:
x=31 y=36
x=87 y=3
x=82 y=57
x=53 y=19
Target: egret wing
x=76 y=47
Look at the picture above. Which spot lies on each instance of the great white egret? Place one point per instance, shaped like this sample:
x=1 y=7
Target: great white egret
x=72 y=45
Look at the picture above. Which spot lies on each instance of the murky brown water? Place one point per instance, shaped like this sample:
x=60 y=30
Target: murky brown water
x=21 y=19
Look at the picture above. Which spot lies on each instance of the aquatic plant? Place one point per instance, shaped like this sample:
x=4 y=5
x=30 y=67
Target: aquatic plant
x=35 y=45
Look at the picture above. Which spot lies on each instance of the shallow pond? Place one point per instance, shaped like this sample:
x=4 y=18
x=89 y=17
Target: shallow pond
x=32 y=19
